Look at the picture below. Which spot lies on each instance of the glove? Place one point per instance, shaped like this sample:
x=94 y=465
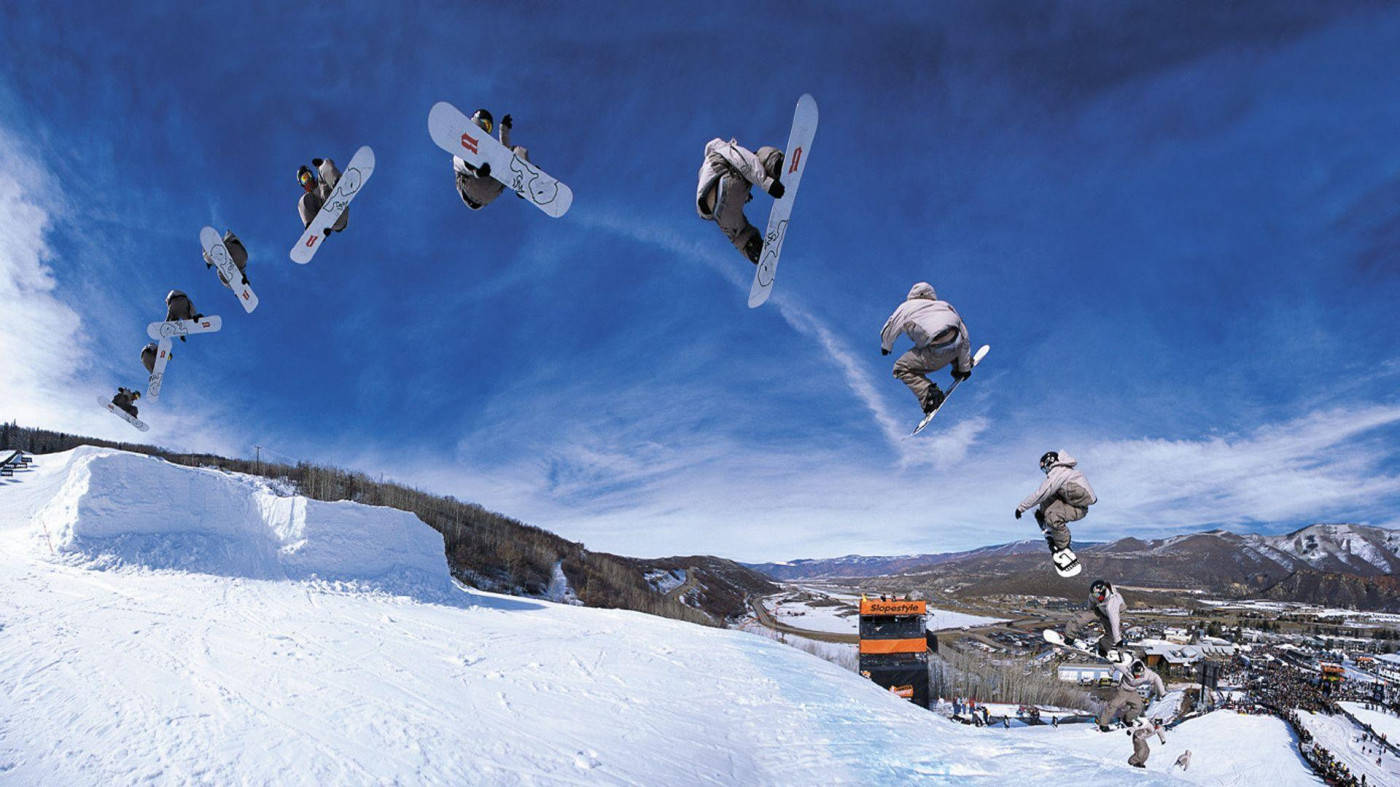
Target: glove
x=1018 y=513
x=776 y=190
x=506 y=122
x=883 y=351
x=484 y=170
x=960 y=376
x=316 y=162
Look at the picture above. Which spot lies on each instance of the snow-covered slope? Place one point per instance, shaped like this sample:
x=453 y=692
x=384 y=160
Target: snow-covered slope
x=301 y=643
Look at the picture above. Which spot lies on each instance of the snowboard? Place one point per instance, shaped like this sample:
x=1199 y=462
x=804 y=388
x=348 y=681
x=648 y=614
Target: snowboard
x=455 y=133
x=216 y=254
x=804 y=127
x=122 y=414
x=158 y=372
x=1066 y=563
x=352 y=179
x=161 y=330
x=1118 y=658
x=976 y=359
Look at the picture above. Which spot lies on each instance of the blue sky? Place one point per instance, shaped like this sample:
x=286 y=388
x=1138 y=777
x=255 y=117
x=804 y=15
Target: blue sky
x=1177 y=225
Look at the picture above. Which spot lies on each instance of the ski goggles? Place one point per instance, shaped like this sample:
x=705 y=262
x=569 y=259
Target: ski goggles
x=306 y=177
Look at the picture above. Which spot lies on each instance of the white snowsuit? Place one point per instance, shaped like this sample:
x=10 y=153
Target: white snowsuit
x=311 y=202
x=237 y=252
x=938 y=334
x=727 y=175
x=1140 y=748
x=475 y=189
x=148 y=357
x=1127 y=699
x=178 y=307
x=1108 y=612
x=1064 y=496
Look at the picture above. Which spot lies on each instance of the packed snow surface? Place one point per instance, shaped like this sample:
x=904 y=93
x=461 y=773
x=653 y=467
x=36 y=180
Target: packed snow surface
x=305 y=643
x=1341 y=737
x=1387 y=724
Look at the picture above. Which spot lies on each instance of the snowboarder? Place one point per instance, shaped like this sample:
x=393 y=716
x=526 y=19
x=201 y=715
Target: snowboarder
x=318 y=184
x=1127 y=699
x=179 y=307
x=236 y=252
x=125 y=399
x=475 y=185
x=727 y=177
x=1064 y=496
x=148 y=357
x=1184 y=761
x=1141 y=751
x=939 y=337
x=1106 y=606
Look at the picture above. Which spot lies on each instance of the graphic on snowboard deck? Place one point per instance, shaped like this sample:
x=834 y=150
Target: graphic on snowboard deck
x=1066 y=563
x=455 y=133
x=217 y=254
x=976 y=359
x=157 y=378
x=1118 y=658
x=122 y=414
x=353 y=179
x=161 y=330
x=799 y=148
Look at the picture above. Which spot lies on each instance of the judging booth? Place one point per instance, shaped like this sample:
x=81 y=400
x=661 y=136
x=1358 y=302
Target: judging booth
x=893 y=647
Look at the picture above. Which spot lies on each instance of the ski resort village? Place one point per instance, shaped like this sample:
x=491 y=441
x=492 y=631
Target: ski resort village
x=965 y=392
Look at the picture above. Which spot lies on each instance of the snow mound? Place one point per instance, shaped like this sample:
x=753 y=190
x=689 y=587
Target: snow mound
x=117 y=509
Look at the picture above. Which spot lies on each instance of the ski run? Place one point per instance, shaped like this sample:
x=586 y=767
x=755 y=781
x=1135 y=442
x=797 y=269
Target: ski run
x=168 y=624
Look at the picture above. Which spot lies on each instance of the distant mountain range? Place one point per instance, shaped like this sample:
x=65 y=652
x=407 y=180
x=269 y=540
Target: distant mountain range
x=1331 y=564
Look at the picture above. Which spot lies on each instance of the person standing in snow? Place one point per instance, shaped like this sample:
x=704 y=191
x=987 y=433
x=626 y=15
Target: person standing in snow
x=1064 y=496
x=1141 y=751
x=475 y=185
x=318 y=184
x=1128 y=700
x=939 y=337
x=1105 y=606
x=728 y=174
x=1184 y=761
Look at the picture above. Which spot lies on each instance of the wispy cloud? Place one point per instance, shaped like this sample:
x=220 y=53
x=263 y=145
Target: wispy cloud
x=948 y=447
x=51 y=367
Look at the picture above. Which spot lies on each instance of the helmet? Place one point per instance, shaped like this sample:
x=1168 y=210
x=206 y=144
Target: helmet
x=483 y=118
x=1137 y=667
x=1099 y=588
x=922 y=290
x=1047 y=459
x=306 y=176
x=1156 y=722
x=772 y=160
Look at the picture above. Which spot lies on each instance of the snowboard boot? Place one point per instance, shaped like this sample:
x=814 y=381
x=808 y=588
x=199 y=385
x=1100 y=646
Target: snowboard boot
x=753 y=247
x=933 y=399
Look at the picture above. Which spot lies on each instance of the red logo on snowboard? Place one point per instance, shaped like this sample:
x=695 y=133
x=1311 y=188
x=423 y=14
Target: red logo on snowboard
x=796 y=158
x=469 y=142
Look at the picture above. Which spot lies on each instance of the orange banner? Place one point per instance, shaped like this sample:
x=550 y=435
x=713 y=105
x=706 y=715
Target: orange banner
x=918 y=645
x=877 y=607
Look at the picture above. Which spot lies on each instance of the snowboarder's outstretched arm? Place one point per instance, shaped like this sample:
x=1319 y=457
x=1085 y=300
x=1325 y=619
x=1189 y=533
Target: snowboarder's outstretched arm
x=893 y=328
x=1048 y=487
x=742 y=159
